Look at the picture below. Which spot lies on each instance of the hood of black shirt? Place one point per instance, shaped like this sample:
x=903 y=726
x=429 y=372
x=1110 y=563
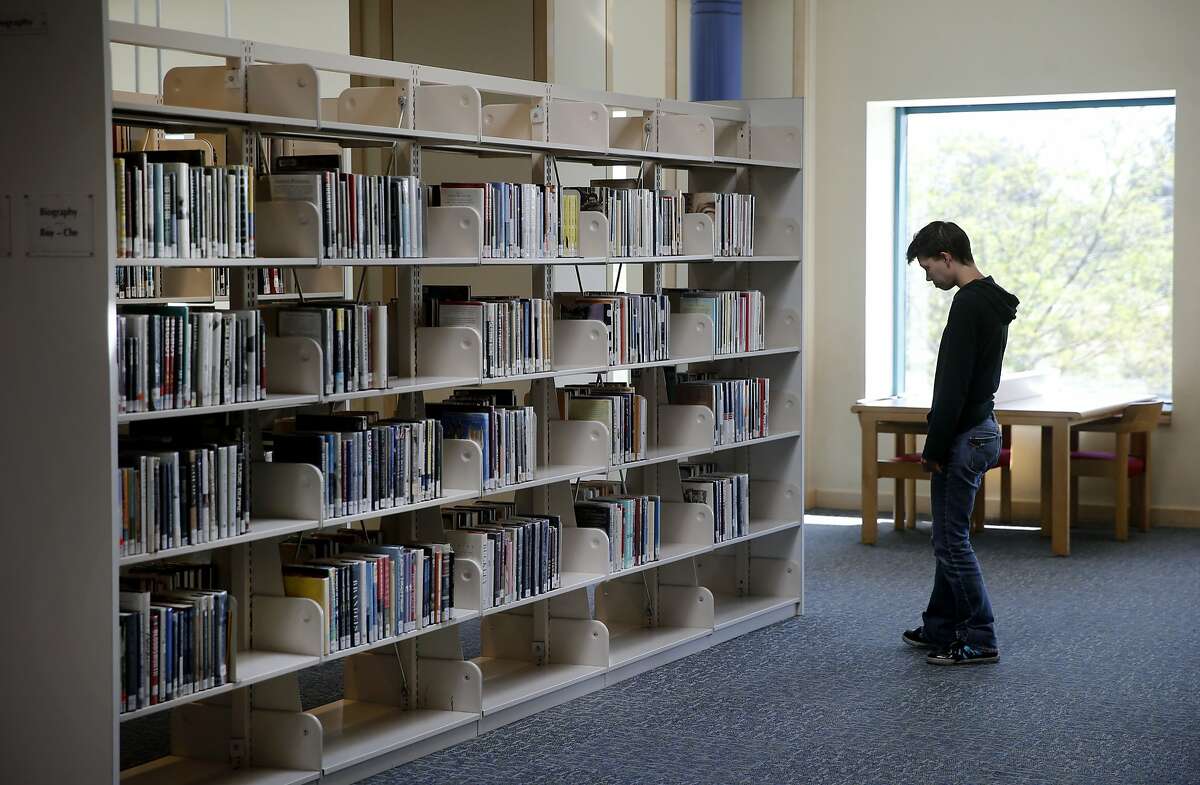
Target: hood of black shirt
x=999 y=302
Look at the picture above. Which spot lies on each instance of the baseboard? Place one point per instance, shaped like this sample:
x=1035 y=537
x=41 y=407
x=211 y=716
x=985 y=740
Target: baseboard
x=810 y=498
x=1023 y=509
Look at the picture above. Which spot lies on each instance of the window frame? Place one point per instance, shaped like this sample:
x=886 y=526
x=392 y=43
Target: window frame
x=900 y=197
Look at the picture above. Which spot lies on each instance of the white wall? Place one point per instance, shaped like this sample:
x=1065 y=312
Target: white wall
x=878 y=50
x=579 y=45
x=493 y=37
x=310 y=24
x=767 y=29
x=639 y=29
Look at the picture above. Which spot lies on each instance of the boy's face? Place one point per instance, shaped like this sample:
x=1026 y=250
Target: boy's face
x=938 y=270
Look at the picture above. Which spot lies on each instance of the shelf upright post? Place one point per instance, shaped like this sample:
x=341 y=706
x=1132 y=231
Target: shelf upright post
x=543 y=397
x=240 y=148
x=408 y=296
x=542 y=391
x=406 y=288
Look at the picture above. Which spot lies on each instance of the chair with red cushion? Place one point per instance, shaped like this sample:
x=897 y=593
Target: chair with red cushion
x=1129 y=461
x=905 y=468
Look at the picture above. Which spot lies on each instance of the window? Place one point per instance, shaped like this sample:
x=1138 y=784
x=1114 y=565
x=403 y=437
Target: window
x=1070 y=207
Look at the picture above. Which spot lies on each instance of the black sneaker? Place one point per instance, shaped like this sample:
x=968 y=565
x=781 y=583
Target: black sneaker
x=916 y=638
x=960 y=653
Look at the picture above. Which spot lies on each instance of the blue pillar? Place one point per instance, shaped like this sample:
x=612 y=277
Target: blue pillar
x=716 y=50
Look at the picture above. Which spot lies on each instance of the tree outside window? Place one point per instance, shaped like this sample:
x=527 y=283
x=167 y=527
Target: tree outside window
x=1071 y=209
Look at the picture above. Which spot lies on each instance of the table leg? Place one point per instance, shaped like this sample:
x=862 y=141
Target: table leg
x=1121 y=494
x=1060 y=518
x=870 y=480
x=910 y=487
x=899 y=502
x=1047 y=476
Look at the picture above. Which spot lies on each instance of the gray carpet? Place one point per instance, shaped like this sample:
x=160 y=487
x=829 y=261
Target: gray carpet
x=1096 y=684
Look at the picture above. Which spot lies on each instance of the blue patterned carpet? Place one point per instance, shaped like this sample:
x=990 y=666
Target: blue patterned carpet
x=1096 y=684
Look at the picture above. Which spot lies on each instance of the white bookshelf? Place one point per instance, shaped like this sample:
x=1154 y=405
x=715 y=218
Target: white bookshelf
x=416 y=692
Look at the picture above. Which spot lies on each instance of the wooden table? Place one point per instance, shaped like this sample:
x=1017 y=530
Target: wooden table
x=1054 y=412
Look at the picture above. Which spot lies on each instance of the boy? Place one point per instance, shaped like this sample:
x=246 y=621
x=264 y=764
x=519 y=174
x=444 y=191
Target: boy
x=963 y=443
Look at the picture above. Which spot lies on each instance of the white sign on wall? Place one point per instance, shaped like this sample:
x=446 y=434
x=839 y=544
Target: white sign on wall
x=59 y=224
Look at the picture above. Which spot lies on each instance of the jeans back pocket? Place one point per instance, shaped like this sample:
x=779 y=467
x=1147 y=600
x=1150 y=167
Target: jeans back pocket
x=984 y=449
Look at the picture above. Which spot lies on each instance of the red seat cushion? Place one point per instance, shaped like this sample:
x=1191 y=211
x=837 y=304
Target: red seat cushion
x=1004 y=460
x=1137 y=466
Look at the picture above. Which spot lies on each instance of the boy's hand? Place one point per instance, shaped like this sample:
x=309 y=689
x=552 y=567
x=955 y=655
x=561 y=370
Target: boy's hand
x=933 y=467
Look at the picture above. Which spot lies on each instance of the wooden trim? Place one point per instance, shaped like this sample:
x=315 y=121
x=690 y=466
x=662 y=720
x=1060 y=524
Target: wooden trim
x=543 y=40
x=671 y=49
x=356 y=42
x=371 y=35
x=608 y=45
x=799 y=10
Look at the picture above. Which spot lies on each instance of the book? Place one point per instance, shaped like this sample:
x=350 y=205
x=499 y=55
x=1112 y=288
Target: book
x=506 y=435
x=739 y=317
x=176 y=357
x=638 y=325
x=741 y=407
x=366 y=463
x=733 y=220
x=170 y=204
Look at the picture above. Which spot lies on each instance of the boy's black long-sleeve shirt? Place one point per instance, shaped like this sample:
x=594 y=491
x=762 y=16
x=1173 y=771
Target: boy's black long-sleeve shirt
x=968 y=364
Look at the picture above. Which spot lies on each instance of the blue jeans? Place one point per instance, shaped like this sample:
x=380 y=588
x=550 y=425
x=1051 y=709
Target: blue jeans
x=959 y=606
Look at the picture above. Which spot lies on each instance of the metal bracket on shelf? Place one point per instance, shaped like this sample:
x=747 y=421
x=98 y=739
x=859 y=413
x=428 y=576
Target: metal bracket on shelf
x=650 y=594
x=741 y=556
x=237 y=752
x=540 y=647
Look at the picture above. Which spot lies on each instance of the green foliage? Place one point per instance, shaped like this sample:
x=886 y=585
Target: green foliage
x=1085 y=242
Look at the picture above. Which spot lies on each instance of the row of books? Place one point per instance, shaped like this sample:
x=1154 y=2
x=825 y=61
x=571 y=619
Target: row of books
x=733 y=221
x=618 y=406
x=519 y=554
x=362 y=216
x=174 y=643
x=739 y=317
x=175 y=498
x=171 y=206
x=176 y=357
x=520 y=220
x=144 y=282
x=727 y=494
x=641 y=221
x=353 y=341
x=270 y=281
x=126 y=138
x=517 y=333
x=633 y=523
x=639 y=325
x=739 y=406
x=367 y=463
x=505 y=432
x=139 y=283
x=368 y=590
